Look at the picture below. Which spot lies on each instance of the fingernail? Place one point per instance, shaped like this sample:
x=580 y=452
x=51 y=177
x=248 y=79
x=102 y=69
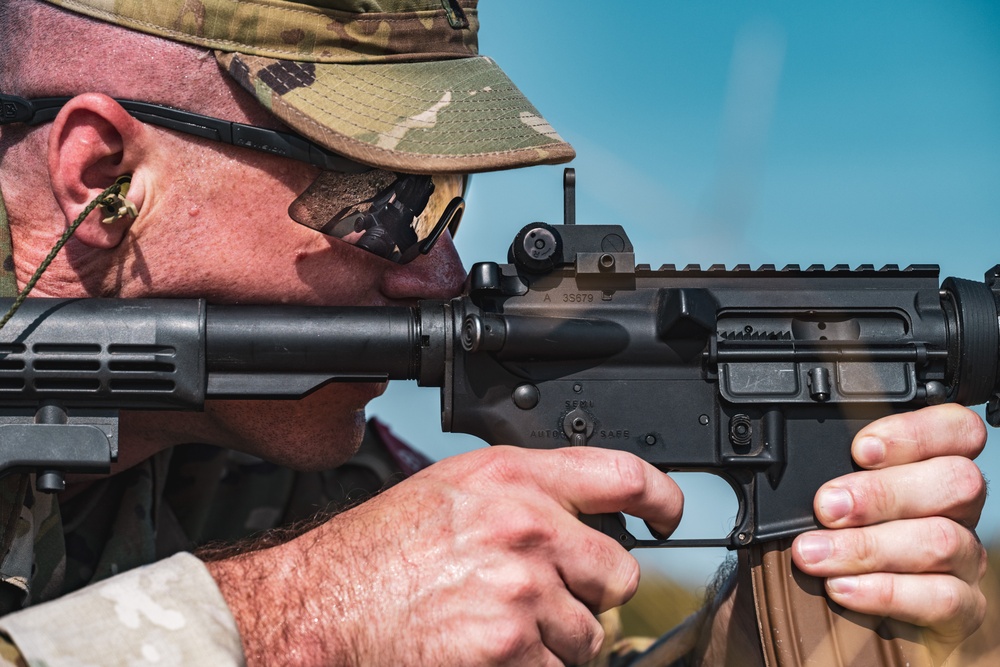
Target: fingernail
x=871 y=450
x=842 y=585
x=814 y=548
x=835 y=504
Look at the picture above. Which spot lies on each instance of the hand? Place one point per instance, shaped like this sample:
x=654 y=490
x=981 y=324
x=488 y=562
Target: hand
x=476 y=560
x=904 y=544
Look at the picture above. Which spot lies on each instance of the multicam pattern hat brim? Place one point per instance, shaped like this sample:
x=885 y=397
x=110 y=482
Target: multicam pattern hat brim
x=442 y=116
x=396 y=84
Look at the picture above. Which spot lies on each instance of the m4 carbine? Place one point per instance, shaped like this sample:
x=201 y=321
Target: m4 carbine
x=762 y=377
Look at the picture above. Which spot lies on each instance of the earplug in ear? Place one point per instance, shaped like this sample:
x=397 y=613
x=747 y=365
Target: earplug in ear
x=116 y=205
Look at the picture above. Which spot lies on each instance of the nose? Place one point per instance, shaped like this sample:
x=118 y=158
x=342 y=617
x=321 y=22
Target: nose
x=436 y=275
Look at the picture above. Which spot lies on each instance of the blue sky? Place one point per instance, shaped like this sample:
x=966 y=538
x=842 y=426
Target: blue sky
x=766 y=132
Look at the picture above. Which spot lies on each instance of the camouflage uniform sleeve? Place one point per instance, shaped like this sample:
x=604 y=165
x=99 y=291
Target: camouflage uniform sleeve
x=170 y=612
x=9 y=655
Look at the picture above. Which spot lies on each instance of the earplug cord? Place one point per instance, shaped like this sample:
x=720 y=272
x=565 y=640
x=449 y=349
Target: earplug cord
x=115 y=205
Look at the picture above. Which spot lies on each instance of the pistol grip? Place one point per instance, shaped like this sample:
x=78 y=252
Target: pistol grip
x=612 y=525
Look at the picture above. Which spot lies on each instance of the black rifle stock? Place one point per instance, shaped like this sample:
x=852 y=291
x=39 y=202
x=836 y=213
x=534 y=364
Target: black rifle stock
x=762 y=377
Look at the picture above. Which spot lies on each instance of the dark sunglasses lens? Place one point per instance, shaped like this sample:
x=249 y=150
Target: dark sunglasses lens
x=395 y=216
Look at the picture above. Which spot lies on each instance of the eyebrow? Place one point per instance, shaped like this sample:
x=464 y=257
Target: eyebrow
x=14 y=109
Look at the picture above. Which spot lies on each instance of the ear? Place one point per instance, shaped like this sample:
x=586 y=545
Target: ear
x=93 y=141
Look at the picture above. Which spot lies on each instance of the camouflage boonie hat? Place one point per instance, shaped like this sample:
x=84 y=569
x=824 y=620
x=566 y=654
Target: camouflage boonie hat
x=396 y=84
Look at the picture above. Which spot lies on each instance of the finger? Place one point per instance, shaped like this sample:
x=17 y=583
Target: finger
x=915 y=546
x=945 y=604
x=571 y=631
x=524 y=629
x=595 y=567
x=593 y=481
x=510 y=645
x=952 y=487
x=940 y=430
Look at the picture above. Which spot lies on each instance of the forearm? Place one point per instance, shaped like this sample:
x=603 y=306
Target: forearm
x=279 y=611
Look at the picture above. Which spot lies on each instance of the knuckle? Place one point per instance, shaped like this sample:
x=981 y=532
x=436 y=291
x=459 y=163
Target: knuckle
x=965 y=480
x=980 y=606
x=944 y=542
x=511 y=640
x=866 y=549
x=592 y=640
x=984 y=561
x=950 y=601
x=585 y=638
x=523 y=590
x=630 y=476
x=519 y=586
x=971 y=429
x=624 y=585
x=884 y=592
x=873 y=499
x=630 y=573
x=522 y=526
x=619 y=574
x=502 y=464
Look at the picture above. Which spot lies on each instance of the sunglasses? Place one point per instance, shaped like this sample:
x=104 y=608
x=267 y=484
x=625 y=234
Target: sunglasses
x=395 y=216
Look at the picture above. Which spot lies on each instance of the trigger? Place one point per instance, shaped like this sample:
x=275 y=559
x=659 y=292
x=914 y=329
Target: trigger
x=612 y=525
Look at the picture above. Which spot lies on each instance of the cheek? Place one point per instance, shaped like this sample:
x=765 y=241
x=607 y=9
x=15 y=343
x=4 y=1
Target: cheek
x=318 y=432
x=239 y=245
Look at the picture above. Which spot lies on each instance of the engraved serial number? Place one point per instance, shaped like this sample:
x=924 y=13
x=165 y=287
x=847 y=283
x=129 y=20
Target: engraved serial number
x=578 y=297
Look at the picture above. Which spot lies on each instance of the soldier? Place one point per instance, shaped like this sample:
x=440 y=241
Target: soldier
x=476 y=560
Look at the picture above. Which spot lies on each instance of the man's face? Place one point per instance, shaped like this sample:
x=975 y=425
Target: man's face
x=215 y=224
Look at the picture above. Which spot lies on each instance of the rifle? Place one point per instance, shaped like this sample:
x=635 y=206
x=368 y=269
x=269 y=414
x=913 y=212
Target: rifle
x=762 y=377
